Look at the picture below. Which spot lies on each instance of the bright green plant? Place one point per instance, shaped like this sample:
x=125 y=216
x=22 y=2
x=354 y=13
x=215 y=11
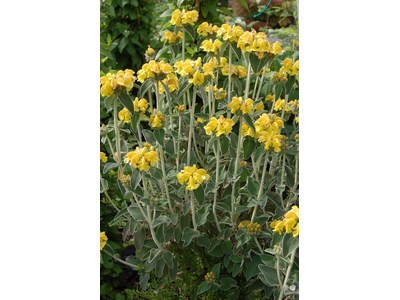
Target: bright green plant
x=209 y=164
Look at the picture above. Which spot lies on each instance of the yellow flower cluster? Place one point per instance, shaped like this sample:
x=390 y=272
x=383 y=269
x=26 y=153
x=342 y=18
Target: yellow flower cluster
x=171 y=81
x=140 y=105
x=239 y=71
x=180 y=108
x=223 y=62
x=171 y=37
x=270 y=97
x=262 y=71
x=296 y=45
x=188 y=68
x=216 y=91
x=244 y=163
x=205 y=29
x=260 y=106
x=229 y=33
x=209 y=277
x=111 y=82
x=289 y=68
x=126 y=179
x=279 y=105
x=103 y=240
x=124 y=115
x=142 y=159
x=193 y=177
x=296 y=137
x=153 y=201
x=150 y=51
x=220 y=126
x=103 y=157
x=245 y=106
x=254 y=228
x=279 y=78
x=271 y=138
x=209 y=46
x=153 y=69
x=267 y=131
x=290 y=223
x=180 y=18
x=156 y=119
x=258 y=43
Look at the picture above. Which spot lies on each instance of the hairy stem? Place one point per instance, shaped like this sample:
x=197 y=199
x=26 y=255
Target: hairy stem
x=165 y=177
x=216 y=185
x=229 y=78
x=288 y=272
x=193 y=211
x=239 y=146
x=261 y=185
x=117 y=136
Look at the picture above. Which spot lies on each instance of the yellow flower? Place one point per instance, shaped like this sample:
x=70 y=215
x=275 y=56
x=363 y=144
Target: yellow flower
x=150 y=51
x=103 y=157
x=124 y=115
x=253 y=228
x=156 y=119
x=260 y=106
x=246 y=130
x=176 y=18
x=247 y=106
x=198 y=78
x=296 y=230
x=141 y=158
x=235 y=104
x=289 y=225
x=244 y=224
x=270 y=97
x=143 y=165
x=103 y=240
x=192 y=176
x=278 y=226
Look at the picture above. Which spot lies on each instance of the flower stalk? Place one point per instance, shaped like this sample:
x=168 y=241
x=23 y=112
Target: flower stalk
x=216 y=185
x=288 y=272
x=261 y=185
x=161 y=150
x=229 y=77
x=193 y=211
x=117 y=136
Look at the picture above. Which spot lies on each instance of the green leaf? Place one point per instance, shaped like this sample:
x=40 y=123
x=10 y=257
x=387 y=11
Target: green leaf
x=237 y=51
x=289 y=244
x=188 y=235
x=199 y=194
x=122 y=44
x=143 y=280
x=216 y=269
x=248 y=147
x=217 y=251
x=201 y=215
x=109 y=166
x=140 y=237
x=108 y=101
x=147 y=84
x=227 y=283
x=236 y=259
x=234 y=294
x=280 y=188
x=160 y=220
x=168 y=258
x=253 y=186
x=204 y=286
x=135 y=178
x=252 y=268
x=236 y=269
x=167 y=13
x=136 y=213
x=227 y=247
x=224 y=144
x=189 y=29
x=127 y=102
x=249 y=122
x=223 y=47
x=159 y=134
x=166 y=91
x=177 y=233
x=203 y=241
x=149 y=137
x=270 y=274
x=110 y=9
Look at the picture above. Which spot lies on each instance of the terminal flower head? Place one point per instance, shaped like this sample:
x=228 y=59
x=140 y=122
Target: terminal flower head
x=192 y=177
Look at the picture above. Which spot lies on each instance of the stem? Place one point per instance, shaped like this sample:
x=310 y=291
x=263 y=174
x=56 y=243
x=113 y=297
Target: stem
x=284 y=108
x=105 y=192
x=139 y=133
x=255 y=86
x=183 y=44
x=117 y=136
x=261 y=82
x=179 y=136
x=295 y=182
x=278 y=272
x=191 y=125
x=258 y=244
x=111 y=147
x=229 y=78
x=246 y=94
x=192 y=208
x=165 y=178
x=150 y=100
x=216 y=184
x=235 y=171
x=157 y=96
x=283 y=171
x=141 y=209
x=120 y=260
x=261 y=185
x=288 y=272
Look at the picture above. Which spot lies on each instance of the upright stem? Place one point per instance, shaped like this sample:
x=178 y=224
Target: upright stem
x=255 y=87
x=139 y=133
x=288 y=272
x=183 y=44
x=261 y=82
x=111 y=147
x=284 y=108
x=258 y=245
x=246 y=94
x=278 y=272
x=191 y=125
x=178 y=143
x=216 y=185
x=165 y=178
x=117 y=136
x=150 y=100
x=193 y=211
x=261 y=185
x=283 y=172
x=235 y=171
x=157 y=96
x=229 y=78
